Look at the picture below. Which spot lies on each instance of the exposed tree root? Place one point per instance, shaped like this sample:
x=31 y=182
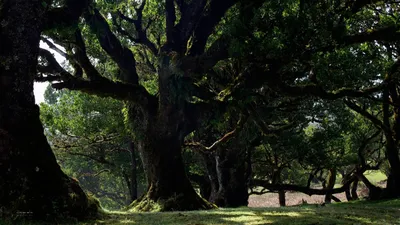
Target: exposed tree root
x=173 y=203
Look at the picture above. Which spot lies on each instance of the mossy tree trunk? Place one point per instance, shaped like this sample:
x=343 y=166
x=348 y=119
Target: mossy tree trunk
x=160 y=132
x=169 y=189
x=31 y=181
x=331 y=179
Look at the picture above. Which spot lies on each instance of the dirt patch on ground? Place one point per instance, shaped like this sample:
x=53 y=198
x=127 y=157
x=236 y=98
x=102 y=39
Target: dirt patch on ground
x=271 y=199
x=295 y=198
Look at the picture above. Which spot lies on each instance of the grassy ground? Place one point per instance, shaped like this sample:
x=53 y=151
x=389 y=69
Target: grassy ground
x=361 y=212
x=375 y=177
x=295 y=198
x=357 y=212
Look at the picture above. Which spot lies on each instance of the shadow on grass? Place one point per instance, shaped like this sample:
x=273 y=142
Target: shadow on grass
x=252 y=216
x=382 y=212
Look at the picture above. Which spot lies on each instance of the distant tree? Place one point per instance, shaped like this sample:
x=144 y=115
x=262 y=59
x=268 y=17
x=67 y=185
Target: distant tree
x=87 y=130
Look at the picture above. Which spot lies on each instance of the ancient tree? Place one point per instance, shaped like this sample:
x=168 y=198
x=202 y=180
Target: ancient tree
x=179 y=57
x=31 y=181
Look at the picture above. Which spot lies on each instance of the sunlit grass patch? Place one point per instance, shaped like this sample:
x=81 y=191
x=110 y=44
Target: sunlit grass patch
x=375 y=176
x=360 y=212
x=357 y=212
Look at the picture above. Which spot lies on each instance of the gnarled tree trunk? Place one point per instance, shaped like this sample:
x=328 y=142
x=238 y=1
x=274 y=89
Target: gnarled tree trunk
x=31 y=181
x=227 y=173
x=169 y=188
x=160 y=132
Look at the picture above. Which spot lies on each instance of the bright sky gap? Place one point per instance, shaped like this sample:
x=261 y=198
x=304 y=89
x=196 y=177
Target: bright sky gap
x=40 y=88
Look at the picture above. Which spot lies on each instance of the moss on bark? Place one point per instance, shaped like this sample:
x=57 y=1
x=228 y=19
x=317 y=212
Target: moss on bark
x=173 y=203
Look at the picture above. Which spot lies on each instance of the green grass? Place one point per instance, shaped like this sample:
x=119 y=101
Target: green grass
x=358 y=212
x=375 y=176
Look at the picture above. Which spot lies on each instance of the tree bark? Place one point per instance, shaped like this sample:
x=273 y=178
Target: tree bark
x=159 y=129
x=169 y=189
x=282 y=198
x=392 y=140
x=393 y=182
x=330 y=185
x=203 y=183
x=30 y=178
x=227 y=173
x=211 y=166
x=354 y=186
x=375 y=193
x=133 y=183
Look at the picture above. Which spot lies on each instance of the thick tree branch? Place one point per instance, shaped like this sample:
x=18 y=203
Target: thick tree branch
x=147 y=62
x=121 y=55
x=52 y=68
x=138 y=23
x=181 y=5
x=91 y=157
x=100 y=87
x=318 y=91
x=170 y=20
x=206 y=24
x=305 y=190
x=67 y=15
x=362 y=147
x=107 y=88
x=377 y=122
x=196 y=66
x=81 y=58
x=223 y=139
x=357 y=5
x=54 y=47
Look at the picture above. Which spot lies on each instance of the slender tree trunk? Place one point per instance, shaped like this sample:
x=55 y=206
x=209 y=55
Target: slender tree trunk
x=282 y=198
x=229 y=184
x=133 y=183
x=30 y=178
x=330 y=185
x=375 y=192
x=354 y=186
x=211 y=165
x=204 y=184
x=348 y=194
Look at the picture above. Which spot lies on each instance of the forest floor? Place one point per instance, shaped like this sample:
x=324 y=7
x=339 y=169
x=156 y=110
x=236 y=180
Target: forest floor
x=302 y=209
x=296 y=198
x=359 y=212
